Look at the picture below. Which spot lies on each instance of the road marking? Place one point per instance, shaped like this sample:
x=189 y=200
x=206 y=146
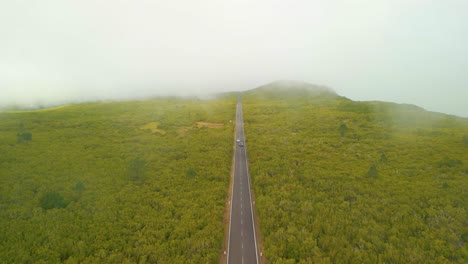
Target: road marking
x=232 y=195
x=240 y=133
x=250 y=196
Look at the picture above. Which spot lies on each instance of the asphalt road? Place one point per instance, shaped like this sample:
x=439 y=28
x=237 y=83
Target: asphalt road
x=242 y=245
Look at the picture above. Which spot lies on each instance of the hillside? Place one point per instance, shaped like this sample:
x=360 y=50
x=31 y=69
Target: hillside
x=115 y=182
x=338 y=181
x=289 y=88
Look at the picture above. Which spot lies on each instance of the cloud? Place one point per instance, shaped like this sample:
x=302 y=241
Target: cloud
x=403 y=51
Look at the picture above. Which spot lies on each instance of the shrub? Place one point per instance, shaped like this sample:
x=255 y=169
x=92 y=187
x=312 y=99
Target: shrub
x=137 y=169
x=372 y=171
x=383 y=158
x=23 y=136
x=450 y=163
x=79 y=186
x=343 y=129
x=191 y=173
x=53 y=200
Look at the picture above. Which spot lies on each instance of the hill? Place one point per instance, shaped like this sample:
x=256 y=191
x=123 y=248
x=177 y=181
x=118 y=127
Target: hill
x=115 y=182
x=290 y=88
x=339 y=181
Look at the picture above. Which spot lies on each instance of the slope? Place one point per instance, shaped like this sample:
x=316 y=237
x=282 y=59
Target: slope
x=90 y=183
x=338 y=181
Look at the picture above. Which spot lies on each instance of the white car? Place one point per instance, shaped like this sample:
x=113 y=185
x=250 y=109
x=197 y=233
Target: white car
x=237 y=140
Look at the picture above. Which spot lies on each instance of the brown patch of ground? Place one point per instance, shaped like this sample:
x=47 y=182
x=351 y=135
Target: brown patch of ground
x=209 y=125
x=153 y=127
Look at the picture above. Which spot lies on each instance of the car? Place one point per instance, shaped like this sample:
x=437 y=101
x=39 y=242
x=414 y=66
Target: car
x=237 y=140
x=241 y=144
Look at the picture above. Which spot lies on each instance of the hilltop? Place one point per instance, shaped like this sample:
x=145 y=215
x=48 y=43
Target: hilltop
x=290 y=88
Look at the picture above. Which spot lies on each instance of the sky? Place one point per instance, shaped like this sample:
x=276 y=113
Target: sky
x=404 y=51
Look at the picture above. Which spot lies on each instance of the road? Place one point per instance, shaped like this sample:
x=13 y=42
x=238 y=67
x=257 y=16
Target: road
x=242 y=245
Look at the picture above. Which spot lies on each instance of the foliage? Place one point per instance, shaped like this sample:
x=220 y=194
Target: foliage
x=79 y=186
x=314 y=201
x=83 y=152
x=343 y=129
x=191 y=173
x=450 y=163
x=23 y=136
x=137 y=169
x=372 y=173
x=383 y=157
x=53 y=200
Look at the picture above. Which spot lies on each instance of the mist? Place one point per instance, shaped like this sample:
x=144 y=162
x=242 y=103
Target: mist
x=404 y=51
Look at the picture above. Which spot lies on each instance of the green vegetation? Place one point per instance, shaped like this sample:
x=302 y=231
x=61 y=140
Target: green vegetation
x=53 y=200
x=389 y=186
x=137 y=169
x=99 y=185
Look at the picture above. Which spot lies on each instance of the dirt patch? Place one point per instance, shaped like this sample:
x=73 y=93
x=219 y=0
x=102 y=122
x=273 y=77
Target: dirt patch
x=153 y=127
x=209 y=125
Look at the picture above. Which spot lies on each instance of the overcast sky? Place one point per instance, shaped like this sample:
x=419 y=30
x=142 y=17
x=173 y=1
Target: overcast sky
x=406 y=51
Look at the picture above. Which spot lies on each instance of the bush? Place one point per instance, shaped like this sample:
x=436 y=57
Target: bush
x=343 y=129
x=383 y=158
x=372 y=172
x=191 y=173
x=23 y=136
x=450 y=163
x=79 y=186
x=137 y=169
x=52 y=200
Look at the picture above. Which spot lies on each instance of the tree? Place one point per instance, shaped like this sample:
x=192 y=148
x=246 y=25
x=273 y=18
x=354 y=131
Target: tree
x=343 y=129
x=383 y=158
x=137 y=169
x=191 y=172
x=79 y=186
x=23 y=136
x=372 y=171
x=53 y=200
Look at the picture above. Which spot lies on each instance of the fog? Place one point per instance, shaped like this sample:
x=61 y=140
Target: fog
x=405 y=51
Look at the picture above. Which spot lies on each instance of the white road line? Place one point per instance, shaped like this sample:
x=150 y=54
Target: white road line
x=250 y=197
